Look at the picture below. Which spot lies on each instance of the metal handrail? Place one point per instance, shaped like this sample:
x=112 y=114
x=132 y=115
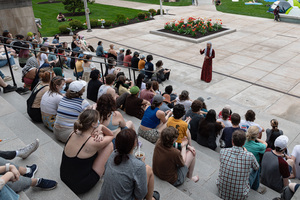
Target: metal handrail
x=59 y=56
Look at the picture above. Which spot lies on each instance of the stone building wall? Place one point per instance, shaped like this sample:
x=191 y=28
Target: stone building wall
x=17 y=17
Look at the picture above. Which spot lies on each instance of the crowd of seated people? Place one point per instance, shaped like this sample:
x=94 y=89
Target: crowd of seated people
x=170 y=121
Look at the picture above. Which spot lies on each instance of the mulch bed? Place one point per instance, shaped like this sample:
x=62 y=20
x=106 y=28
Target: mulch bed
x=198 y=35
x=46 y=2
x=131 y=21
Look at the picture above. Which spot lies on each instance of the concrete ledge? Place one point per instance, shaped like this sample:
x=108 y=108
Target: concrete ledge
x=290 y=18
x=199 y=40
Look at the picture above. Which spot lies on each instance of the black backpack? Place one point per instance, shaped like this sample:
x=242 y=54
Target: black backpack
x=34 y=113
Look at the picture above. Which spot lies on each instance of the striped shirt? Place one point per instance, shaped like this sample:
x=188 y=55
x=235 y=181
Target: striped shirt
x=69 y=110
x=233 y=180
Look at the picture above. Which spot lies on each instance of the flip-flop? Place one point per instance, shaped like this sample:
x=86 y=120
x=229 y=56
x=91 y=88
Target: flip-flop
x=156 y=195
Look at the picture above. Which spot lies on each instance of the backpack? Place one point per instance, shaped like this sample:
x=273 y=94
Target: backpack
x=34 y=113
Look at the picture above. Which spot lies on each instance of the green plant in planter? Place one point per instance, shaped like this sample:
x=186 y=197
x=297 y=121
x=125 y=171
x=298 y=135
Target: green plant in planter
x=158 y=11
x=141 y=16
x=108 y=23
x=76 y=24
x=120 y=18
x=181 y=30
x=203 y=30
x=193 y=33
x=63 y=29
x=152 y=11
x=175 y=28
x=94 y=23
x=168 y=26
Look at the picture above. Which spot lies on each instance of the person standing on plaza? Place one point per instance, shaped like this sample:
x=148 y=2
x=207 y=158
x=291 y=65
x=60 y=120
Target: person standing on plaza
x=209 y=53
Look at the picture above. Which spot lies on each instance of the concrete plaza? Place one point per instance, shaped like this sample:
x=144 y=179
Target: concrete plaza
x=257 y=66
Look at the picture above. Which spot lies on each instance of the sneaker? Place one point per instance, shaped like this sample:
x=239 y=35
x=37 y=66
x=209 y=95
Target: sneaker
x=156 y=195
x=33 y=170
x=29 y=149
x=9 y=88
x=15 y=67
x=46 y=184
x=261 y=190
x=7 y=78
x=22 y=90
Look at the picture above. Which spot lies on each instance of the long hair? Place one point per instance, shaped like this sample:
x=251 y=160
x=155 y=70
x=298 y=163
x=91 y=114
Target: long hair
x=85 y=120
x=105 y=106
x=125 y=141
x=56 y=81
x=139 y=80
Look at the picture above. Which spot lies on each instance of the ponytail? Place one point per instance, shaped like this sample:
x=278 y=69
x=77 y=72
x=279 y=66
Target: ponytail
x=119 y=158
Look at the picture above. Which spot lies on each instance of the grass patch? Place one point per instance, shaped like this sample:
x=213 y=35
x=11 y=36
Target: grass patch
x=180 y=3
x=240 y=8
x=49 y=12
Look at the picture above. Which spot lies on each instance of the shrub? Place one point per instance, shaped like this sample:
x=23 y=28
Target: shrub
x=120 y=18
x=108 y=23
x=158 y=12
x=75 y=5
x=147 y=14
x=94 y=23
x=152 y=11
x=141 y=15
x=76 y=24
x=63 y=29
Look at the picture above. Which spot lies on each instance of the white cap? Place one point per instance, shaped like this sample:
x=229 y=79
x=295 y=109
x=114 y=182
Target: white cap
x=281 y=142
x=121 y=49
x=76 y=86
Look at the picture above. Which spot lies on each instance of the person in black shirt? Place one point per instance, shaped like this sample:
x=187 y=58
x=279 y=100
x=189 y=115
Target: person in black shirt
x=94 y=85
x=135 y=60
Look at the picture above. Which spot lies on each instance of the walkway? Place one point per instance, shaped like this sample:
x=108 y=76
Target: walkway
x=261 y=52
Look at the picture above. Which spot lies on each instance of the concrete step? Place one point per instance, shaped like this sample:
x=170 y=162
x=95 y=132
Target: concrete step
x=23 y=196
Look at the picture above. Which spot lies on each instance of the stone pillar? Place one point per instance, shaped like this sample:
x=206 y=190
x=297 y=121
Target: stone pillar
x=17 y=17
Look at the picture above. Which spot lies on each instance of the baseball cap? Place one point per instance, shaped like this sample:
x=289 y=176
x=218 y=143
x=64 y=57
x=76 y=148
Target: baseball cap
x=201 y=99
x=136 y=53
x=121 y=49
x=158 y=98
x=76 y=86
x=227 y=107
x=281 y=142
x=142 y=56
x=134 y=90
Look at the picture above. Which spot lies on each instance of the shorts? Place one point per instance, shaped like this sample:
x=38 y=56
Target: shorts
x=49 y=121
x=181 y=175
x=151 y=135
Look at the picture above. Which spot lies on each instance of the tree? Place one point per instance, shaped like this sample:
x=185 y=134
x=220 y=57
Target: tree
x=75 y=5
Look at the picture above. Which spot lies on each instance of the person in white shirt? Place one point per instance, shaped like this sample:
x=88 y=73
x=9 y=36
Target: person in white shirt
x=250 y=117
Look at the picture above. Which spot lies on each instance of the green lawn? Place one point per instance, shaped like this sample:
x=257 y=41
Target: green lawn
x=180 y=3
x=240 y=8
x=48 y=14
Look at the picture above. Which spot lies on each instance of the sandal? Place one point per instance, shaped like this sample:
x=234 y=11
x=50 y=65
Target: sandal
x=156 y=195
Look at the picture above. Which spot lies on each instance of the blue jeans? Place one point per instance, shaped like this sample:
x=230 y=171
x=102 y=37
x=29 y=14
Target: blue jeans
x=8 y=194
x=68 y=62
x=254 y=179
x=2 y=75
x=4 y=62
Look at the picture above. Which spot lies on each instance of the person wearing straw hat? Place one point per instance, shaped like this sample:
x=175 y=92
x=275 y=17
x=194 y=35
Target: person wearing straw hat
x=209 y=53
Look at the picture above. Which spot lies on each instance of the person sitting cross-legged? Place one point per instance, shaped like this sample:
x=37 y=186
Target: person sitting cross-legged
x=86 y=152
x=182 y=126
x=169 y=164
x=235 y=166
x=276 y=166
x=228 y=131
x=127 y=177
x=154 y=120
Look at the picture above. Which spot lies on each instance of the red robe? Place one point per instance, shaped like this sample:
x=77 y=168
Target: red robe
x=206 y=73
